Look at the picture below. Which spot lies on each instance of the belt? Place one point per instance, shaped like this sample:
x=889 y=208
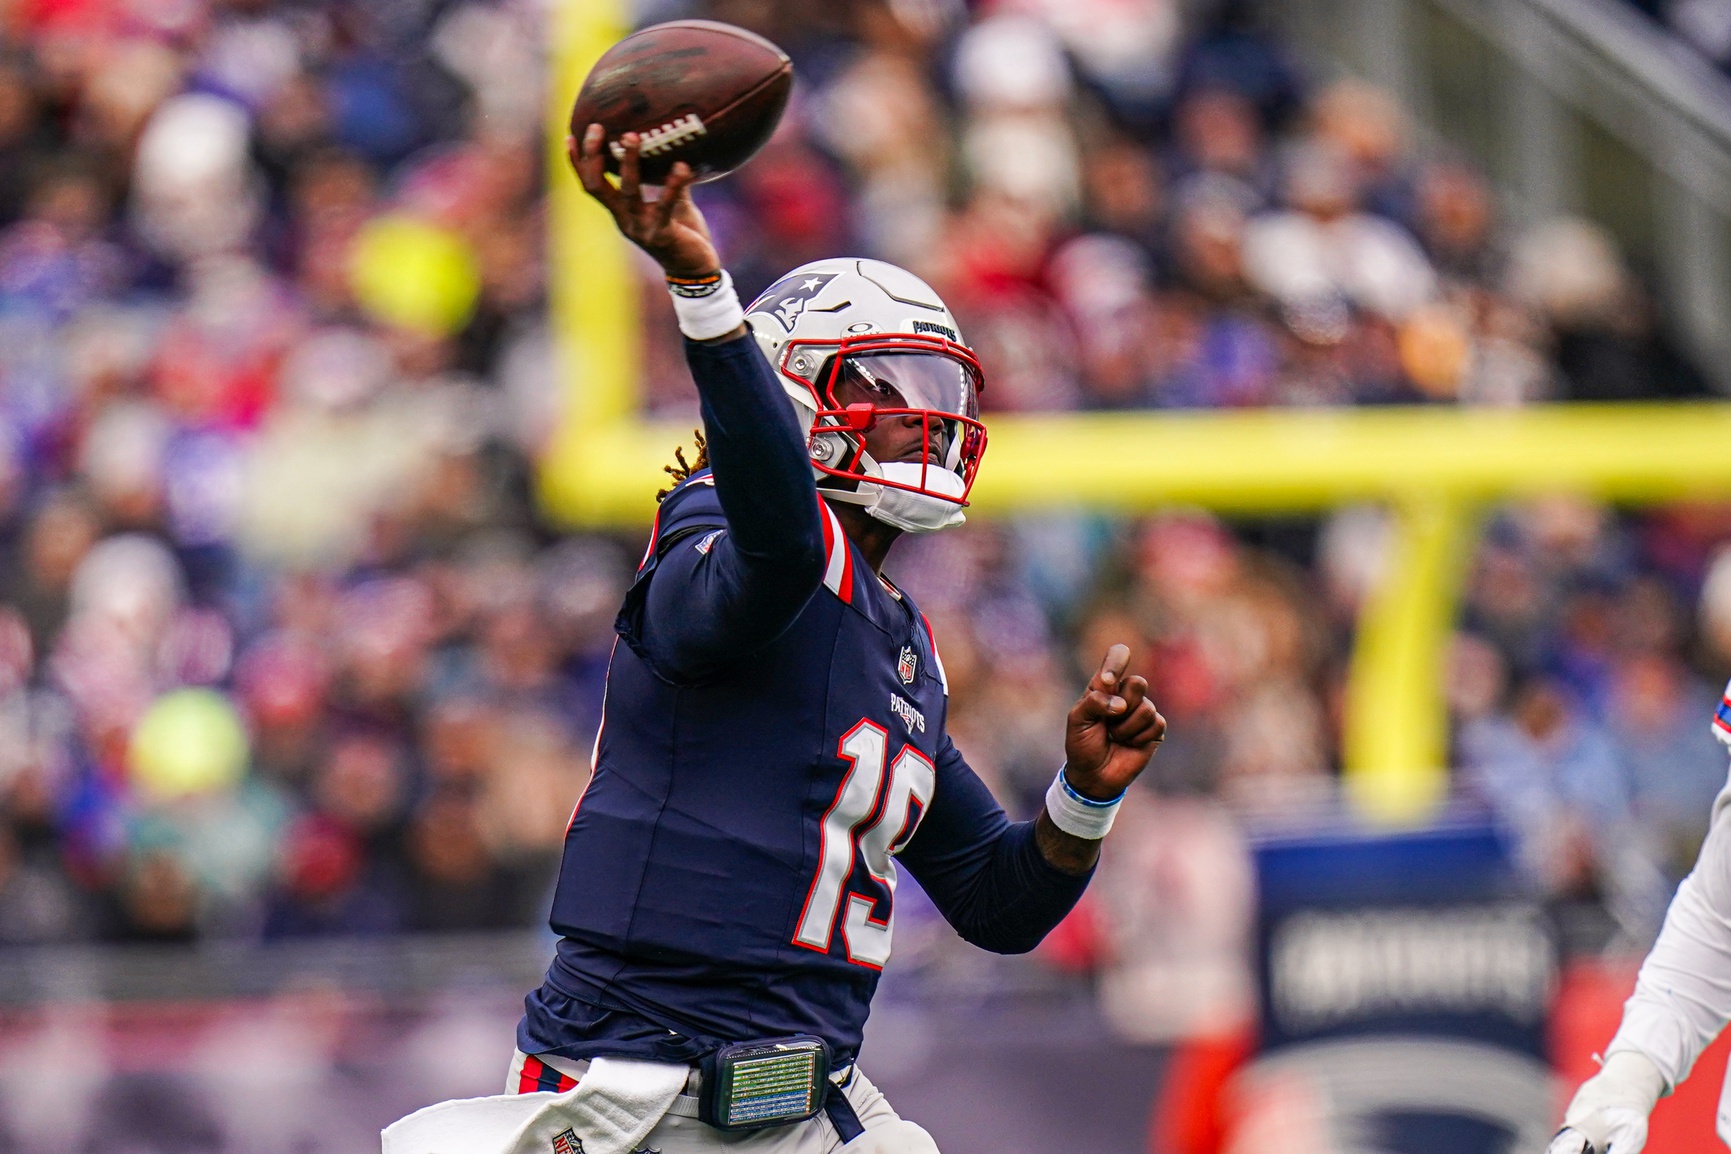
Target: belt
x=686 y=1105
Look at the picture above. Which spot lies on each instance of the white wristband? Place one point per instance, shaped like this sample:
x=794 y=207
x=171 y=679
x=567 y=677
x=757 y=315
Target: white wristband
x=1080 y=816
x=714 y=314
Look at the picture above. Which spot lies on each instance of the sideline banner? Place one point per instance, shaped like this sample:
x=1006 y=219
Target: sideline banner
x=1405 y=986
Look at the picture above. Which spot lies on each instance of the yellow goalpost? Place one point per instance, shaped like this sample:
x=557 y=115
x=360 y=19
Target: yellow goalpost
x=1435 y=468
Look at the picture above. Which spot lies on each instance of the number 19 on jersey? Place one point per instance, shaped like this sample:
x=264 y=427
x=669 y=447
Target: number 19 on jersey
x=873 y=818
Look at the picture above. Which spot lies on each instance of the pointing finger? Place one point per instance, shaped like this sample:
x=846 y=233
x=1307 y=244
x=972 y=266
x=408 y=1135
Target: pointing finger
x=1112 y=668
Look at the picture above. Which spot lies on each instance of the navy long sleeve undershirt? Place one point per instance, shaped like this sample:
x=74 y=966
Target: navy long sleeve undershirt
x=705 y=609
x=984 y=872
x=756 y=577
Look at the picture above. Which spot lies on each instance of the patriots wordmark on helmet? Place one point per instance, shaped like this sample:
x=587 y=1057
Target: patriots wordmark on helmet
x=787 y=297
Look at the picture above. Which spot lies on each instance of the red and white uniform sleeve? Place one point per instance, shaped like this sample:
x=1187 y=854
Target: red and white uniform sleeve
x=1683 y=996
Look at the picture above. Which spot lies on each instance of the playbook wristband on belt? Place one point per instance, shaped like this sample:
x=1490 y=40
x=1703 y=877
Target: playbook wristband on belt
x=707 y=307
x=1080 y=816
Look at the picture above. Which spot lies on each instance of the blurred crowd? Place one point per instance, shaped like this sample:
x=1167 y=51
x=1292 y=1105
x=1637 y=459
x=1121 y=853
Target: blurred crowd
x=1147 y=204
x=287 y=648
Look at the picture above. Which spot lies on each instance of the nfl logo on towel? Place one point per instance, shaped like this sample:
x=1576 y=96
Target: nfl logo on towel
x=905 y=667
x=567 y=1142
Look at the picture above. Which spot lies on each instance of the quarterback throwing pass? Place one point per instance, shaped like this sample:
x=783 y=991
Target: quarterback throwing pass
x=773 y=744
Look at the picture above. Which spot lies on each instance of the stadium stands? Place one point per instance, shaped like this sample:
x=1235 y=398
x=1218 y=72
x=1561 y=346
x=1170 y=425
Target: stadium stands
x=275 y=373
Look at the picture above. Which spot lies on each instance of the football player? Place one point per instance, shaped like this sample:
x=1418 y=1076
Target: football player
x=1682 y=1000
x=773 y=742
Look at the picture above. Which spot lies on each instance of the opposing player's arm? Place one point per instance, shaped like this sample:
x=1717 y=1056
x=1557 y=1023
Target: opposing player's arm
x=1681 y=1002
x=746 y=587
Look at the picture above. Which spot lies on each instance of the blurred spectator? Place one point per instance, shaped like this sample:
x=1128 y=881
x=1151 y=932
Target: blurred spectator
x=1323 y=254
x=1553 y=774
x=1175 y=896
x=233 y=457
x=1675 y=766
x=1607 y=346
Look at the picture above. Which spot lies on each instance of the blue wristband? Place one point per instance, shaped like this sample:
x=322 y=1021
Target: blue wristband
x=1088 y=801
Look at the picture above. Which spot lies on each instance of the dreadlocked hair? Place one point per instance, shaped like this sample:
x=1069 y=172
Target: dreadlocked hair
x=680 y=470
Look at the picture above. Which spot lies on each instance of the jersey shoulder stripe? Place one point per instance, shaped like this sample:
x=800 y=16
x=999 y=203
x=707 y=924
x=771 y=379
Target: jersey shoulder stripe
x=838 y=569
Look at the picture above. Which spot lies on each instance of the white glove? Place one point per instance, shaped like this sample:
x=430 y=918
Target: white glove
x=1609 y=1112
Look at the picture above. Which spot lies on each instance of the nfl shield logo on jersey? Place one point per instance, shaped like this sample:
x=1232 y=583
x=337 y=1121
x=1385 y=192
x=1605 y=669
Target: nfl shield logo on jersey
x=567 y=1142
x=906 y=666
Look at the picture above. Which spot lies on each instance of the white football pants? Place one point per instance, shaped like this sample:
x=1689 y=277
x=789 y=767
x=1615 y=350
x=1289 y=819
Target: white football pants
x=680 y=1132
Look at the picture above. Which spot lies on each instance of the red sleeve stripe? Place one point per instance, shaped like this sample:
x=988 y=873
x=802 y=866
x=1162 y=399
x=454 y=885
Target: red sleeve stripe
x=838 y=574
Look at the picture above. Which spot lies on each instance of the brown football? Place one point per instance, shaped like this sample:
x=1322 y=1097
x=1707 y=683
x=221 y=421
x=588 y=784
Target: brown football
x=706 y=93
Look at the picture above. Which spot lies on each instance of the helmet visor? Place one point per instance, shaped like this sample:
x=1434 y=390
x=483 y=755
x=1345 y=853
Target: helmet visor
x=914 y=380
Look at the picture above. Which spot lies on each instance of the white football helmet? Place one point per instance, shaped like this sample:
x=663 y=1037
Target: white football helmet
x=889 y=331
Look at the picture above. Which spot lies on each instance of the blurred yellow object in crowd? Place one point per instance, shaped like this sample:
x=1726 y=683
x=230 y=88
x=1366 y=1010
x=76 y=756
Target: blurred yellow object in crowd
x=189 y=741
x=414 y=275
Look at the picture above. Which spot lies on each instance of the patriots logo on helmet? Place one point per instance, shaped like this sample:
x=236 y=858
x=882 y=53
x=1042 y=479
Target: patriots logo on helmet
x=786 y=298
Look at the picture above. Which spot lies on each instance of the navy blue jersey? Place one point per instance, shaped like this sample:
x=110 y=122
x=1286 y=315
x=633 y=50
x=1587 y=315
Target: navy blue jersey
x=767 y=756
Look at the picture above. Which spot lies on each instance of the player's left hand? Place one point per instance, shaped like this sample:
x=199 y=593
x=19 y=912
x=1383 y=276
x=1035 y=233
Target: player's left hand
x=1112 y=730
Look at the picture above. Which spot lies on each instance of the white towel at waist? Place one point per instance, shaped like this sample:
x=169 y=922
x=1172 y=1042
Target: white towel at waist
x=611 y=1110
